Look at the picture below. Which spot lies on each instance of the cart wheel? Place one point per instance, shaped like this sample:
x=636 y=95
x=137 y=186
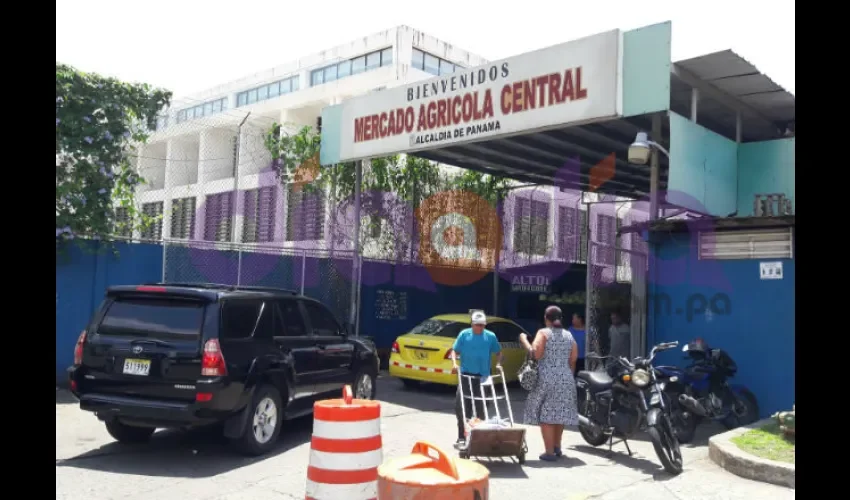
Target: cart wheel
x=520 y=458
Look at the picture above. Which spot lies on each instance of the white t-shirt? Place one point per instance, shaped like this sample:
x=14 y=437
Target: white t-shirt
x=620 y=336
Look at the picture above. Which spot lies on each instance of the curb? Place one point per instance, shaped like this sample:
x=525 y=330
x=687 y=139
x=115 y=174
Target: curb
x=727 y=455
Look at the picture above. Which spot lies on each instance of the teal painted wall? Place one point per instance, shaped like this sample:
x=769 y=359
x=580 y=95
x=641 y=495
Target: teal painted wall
x=646 y=69
x=763 y=168
x=331 y=126
x=703 y=166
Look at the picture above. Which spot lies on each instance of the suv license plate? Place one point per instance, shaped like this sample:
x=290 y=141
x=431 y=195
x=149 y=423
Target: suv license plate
x=137 y=367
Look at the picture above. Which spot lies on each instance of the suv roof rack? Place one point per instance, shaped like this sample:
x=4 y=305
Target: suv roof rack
x=219 y=286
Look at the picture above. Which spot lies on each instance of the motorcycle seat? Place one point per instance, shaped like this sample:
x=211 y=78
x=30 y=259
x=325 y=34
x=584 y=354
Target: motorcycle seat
x=598 y=381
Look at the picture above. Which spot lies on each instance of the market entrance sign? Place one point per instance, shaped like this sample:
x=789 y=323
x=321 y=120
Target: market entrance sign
x=572 y=83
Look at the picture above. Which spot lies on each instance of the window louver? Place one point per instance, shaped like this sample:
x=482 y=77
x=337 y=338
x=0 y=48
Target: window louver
x=218 y=217
x=154 y=211
x=531 y=226
x=183 y=218
x=746 y=244
x=259 y=215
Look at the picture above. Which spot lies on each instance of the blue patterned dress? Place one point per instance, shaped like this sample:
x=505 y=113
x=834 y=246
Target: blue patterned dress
x=553 y=400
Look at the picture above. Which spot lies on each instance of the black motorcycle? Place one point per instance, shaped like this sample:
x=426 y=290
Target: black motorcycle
x=625 y=399
x=701 y=391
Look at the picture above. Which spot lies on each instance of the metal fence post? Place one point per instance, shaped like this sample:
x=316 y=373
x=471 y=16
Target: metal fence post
x=303 y=269
x=164 y=259
x=238 y=266
x=358 y=180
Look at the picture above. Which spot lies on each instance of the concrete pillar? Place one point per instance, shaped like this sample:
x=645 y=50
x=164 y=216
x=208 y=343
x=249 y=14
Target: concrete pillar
x=216 y=159
x=402 y=51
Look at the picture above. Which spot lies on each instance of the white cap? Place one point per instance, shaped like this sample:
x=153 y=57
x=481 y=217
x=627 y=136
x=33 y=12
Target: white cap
x=478 y=318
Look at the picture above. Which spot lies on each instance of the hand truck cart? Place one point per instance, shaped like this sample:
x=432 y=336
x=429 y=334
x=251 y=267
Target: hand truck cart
x=490 y=442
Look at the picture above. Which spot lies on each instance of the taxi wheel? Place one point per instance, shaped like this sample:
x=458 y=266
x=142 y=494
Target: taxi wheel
x=410 y=384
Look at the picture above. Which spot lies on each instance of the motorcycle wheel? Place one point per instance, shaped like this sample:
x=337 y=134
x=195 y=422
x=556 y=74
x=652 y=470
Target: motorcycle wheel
x=592 y=438
x=748 y=411
x=666 y=446
x=685 y=427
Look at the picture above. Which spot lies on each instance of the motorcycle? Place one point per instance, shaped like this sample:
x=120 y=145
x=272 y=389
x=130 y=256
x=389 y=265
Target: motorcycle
x=702 y=391
x=625 y=399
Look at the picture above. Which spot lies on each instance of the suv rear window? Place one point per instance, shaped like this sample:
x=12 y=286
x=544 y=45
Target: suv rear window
x=153 y=318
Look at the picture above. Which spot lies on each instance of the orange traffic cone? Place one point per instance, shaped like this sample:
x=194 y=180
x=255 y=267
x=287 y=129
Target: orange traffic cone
x=346 y=449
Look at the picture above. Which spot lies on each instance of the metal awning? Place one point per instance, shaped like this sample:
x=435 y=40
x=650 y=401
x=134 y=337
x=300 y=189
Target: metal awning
x=728 y=87
x=570 y=157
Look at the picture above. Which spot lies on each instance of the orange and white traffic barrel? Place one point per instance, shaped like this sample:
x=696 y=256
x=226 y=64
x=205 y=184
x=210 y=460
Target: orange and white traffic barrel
x=428 y=473
x=346 y=449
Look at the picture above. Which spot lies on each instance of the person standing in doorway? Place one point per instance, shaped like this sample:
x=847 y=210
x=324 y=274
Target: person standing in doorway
x=476 y=347
x=619 y=334
x=578 y=331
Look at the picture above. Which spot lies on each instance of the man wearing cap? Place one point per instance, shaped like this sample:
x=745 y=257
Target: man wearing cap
x=475 y=346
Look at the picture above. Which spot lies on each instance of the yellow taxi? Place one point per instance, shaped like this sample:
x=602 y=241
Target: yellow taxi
x=424 y=354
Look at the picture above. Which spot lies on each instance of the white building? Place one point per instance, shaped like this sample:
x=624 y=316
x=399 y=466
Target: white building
x=198 y=157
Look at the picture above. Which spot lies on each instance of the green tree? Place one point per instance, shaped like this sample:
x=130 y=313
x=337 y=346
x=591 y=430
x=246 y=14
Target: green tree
x=411 y=178
x=99 y=121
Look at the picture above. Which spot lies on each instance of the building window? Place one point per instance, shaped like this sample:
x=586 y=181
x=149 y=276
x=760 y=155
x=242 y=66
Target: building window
x=433 y=64
x=305 y=214
x=123 y=227
x=605 y=240
x=531 y=226
x=218 y=217
x=268 y=91
x=367 y=62
x=569 y=239
x=747 y=244
x=258 y=226
x=161 y=122
x=201 y=110
x=183 y=218
x=153 y=210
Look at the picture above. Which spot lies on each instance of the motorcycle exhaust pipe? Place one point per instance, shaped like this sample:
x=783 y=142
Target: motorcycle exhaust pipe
x=589 y=424
x=692 y=404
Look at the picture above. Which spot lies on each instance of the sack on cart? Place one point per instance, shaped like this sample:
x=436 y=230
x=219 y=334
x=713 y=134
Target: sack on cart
x=491 y=423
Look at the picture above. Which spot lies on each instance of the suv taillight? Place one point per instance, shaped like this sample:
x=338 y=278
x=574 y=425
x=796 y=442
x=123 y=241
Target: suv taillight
x=212 y=363
x=78 y=349
x=395 y=347
x=449 y=354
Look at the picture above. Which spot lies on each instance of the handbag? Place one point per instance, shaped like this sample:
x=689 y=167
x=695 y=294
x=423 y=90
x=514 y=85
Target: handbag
x=527 y=374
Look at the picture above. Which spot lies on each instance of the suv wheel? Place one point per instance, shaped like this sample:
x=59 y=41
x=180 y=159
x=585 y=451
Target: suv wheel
x=264 y=421
x=127 y=433
x=364 y=385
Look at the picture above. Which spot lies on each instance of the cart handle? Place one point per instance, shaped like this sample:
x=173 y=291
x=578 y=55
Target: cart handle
x=443 y=462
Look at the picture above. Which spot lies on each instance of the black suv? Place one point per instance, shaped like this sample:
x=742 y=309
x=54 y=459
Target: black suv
x=189 y=355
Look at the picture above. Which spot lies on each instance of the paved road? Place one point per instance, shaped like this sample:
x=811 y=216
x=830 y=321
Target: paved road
x=198 y=465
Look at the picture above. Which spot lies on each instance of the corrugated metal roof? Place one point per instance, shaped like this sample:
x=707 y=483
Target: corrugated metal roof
x=737 y=77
